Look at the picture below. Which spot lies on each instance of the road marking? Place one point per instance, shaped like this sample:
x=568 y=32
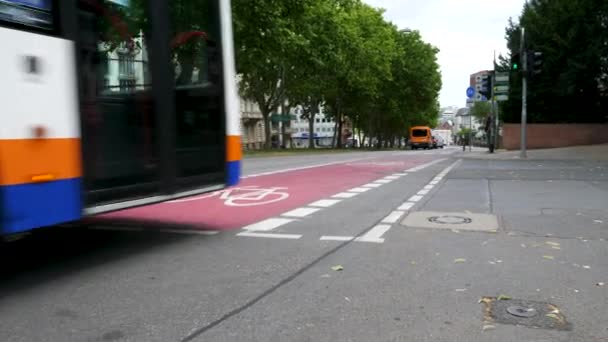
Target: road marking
x=393 y=177
x=371 y=185
x=422 y=192
x=336 y=238
x=423 y=166
x=400 y=174
x=433 y=182
x=268 y=224
x=374 y=234
x=393 y=216
x=345 y=195
x=428 y=186
x=304 y=167
x=301 y=212
x=415 y=198
x=324 y=203
x=406 y=206
x=359 y=189
x=383 y=181
x=271 y=235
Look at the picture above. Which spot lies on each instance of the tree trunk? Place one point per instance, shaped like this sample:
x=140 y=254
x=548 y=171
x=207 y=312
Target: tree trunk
x=285 y=112
x=333 y=139
x=311 y=129
x=267 y=128
x=339 y=112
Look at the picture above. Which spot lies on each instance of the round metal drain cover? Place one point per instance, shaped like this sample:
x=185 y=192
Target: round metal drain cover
x=521 y=311
x=450 y=219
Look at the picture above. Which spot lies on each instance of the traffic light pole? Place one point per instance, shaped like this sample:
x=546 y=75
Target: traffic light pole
x=524 y=93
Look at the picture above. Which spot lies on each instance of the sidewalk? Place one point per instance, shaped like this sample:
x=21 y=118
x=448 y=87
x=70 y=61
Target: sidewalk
x=591 y=152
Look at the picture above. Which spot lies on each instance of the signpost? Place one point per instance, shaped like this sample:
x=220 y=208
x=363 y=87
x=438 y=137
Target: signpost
x=470 y=95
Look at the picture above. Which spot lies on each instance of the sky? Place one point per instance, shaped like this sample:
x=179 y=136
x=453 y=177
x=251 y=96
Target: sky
x=466 y=32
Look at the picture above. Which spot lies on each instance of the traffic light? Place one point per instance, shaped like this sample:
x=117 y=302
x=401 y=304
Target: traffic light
x=515 y=61
x=486 y=86
x=535 y=62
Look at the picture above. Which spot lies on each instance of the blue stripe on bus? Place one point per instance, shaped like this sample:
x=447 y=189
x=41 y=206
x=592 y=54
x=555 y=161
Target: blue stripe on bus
x=24 y=207
x=233 y=172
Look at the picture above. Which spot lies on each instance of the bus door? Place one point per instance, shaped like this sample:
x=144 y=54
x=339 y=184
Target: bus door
x=151 y=98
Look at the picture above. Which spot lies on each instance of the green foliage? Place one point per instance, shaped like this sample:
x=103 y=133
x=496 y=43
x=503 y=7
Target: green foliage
x=573 y=85
x=340 y=54
x=480 y=109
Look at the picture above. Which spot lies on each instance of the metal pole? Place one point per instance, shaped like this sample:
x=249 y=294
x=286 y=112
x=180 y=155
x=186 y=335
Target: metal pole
x=470 y=131
x=524 y=93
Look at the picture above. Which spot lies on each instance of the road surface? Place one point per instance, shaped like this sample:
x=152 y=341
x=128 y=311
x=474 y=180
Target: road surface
x=362 y=246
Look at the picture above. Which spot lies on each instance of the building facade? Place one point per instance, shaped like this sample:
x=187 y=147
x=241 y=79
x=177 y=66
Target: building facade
x=476 y=81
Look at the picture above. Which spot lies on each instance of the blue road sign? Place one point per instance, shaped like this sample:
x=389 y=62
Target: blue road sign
x=470 y=92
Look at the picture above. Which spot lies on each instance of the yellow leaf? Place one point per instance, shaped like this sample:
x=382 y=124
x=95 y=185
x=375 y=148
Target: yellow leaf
x=337 y=268
x=459 y=260
x=550 y=257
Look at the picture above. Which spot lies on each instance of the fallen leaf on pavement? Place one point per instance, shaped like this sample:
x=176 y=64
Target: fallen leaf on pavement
x=459 y=260
x=485 y=300
x=523 y=245
x=337 y=268
x=550 y=257
x=455 y=231
x=347 y=299
x=598 y=221
x=555 y=247
x=551 y=243
x=488 y=327
x=503 y=297
x=552 y=315
x=413 y=262
x=586 y=266
x=601 y=283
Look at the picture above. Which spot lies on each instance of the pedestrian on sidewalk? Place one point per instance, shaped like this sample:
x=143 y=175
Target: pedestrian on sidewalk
x=489 y=129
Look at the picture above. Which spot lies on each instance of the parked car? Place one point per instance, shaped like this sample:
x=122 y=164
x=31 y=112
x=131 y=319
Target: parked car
x=438 y=142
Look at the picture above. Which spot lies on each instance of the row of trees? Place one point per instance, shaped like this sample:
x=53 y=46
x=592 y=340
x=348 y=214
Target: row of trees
x=573 y=84
x=340 y=54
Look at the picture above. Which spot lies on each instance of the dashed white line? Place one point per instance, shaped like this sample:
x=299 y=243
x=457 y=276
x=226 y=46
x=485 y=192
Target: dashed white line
x=301 y=212
x=345 y=195
x=336 y=238
x=324 y=203
x=415 y=198
x=393 y=216
x=429 y=186
x=383 y=181
x=400 y=174
x=271 y=235
x=372 y=185
x=393 y=177
x=422 y=192
x=359 y=189
x=268 y=224
x=375 y=234
x=406 y=206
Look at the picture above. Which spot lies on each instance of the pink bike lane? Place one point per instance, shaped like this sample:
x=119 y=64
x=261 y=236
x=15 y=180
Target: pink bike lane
x=257 y=198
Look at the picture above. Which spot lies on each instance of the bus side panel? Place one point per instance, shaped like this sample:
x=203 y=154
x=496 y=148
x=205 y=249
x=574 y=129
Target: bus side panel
x=40 y=149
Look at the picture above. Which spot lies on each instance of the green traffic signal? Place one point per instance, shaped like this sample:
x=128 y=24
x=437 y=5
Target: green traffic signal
x=515 y=66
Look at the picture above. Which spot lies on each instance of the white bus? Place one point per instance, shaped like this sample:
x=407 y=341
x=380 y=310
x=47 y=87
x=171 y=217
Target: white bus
x=108 y=105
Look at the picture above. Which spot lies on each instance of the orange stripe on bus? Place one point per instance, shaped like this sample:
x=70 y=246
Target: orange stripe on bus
x=38 y=160
x=233 y=148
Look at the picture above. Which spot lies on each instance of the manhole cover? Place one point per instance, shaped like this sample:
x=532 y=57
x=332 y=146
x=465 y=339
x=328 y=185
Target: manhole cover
x=527 y=313
x=521 y=311
x=450 y=219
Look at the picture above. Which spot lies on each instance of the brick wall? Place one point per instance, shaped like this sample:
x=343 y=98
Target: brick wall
x=555 y=135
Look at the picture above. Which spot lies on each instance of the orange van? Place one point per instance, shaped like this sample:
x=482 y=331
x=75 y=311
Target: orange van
x=421 y=137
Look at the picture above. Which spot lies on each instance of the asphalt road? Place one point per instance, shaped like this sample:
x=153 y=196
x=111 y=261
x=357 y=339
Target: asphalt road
x=337 y=266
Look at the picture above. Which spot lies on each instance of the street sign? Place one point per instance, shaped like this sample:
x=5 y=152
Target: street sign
x=470 y=92
x=502 y=77
x=501 y=89
x=501 y=97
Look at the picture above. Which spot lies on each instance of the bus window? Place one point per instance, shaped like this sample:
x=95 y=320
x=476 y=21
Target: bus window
x=31 y=13
x=119 y=135
x=197 y=69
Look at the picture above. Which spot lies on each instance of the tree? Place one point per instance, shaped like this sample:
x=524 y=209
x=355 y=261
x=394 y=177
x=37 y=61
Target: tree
x=571 y=34
x=480 y=109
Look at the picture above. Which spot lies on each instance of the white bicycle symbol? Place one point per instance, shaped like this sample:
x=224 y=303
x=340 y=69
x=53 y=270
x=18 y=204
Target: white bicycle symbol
x=243 y=196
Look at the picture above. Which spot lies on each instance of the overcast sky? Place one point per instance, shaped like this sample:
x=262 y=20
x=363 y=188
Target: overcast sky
x=466 y=31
